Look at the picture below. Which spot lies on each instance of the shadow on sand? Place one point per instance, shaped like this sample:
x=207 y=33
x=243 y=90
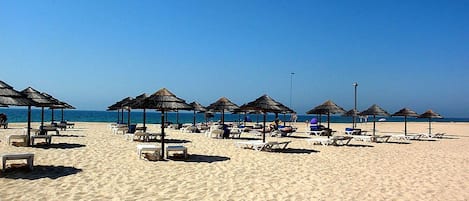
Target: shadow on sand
x=39 y=172
x=177 y=141
x=58 y=146
x=297 y=137
x=393 y=142
x=295 y=151
x=359 y=145
x=69 y=136
x=196 y=158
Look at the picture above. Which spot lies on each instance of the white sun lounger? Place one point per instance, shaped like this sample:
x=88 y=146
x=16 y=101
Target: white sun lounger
x=18 y=156
x=335 y=140
x=433 y=135
x=263 y=146
x=407 y=137
x=148 y=147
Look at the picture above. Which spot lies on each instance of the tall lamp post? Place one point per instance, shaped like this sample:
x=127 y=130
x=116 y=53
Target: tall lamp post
x=291 y=86
x=355 y=85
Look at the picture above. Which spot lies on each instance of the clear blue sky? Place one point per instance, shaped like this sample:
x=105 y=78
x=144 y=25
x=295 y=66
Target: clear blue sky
x=93 y=53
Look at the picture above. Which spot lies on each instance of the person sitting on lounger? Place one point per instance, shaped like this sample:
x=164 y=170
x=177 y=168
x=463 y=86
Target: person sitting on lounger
x=274 y=125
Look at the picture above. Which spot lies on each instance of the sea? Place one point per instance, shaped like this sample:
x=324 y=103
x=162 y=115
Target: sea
x=136 y=116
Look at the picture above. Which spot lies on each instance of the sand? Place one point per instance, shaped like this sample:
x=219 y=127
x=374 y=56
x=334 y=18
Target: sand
x=90 y=163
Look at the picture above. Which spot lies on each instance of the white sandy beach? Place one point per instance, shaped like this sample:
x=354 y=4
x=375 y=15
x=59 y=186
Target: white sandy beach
x=89 y=163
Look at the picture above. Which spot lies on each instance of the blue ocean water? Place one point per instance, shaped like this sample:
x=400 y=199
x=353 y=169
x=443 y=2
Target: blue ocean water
x=20 y=115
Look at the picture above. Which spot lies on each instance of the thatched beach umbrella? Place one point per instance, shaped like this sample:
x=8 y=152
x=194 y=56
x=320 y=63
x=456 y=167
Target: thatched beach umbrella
x=374 y=110
x=56 y=104
x=430 y=115
x=138 y=103
x=405 y=112
x=163 y=100
x=328 y=108
x=222 y=105
x=351 y=113
x=264 y=104
x=120 y=105
x=9 y=96
x=67 y=106
x=115 y=107
x=197 y=107
x=41 y=100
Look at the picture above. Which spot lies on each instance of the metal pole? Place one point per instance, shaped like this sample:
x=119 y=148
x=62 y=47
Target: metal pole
x=144 y=119
x=128 y=117
x=355 y=84
x=263 y=128
x=291 y=87
x=162 y=132
x=29 y=126
x=42 y=117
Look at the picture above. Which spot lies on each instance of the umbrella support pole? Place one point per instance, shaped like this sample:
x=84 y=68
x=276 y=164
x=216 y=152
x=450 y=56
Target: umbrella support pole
x=430 y=126
x=42 y=117
x=144 y=118
x=405 y=125
x=374 y=124
x=29 y=126
x=263 y=128
x=193 y=120
x=122 y=116
x=162 y=132
x=128 y=117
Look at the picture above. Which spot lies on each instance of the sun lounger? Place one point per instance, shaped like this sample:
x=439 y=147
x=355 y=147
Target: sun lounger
x=364 y=138
x=178 y=148
x=18 y=156
x=148 y=147
x=120 y=128
x=274 y=146
x=249 y=144
x=20 y=137
x=235 y=132
x=340 y=140
x=433 y=135
x=318 y=141
x=317 y=133
x=287 y=131
x=335 y=140
x=380 y=138
x=263 y=146
x=47 y=138
x=215 y=132
x=44 y=130
x=408 y=137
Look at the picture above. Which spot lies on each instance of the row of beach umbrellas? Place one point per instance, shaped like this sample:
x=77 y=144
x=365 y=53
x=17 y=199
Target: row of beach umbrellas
x=330 y=107
x=30 y=97
x=165 y=101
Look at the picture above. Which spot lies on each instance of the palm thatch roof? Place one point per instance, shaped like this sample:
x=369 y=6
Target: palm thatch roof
x=326 y=107
x=9 y=96
x=374 y=110
x=222 y=104
x=430 y=114
x=163 y=99
x=405 y=112
x=36 y=96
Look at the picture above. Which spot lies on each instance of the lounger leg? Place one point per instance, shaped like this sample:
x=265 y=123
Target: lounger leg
x=31 y=162
x=4 y=161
